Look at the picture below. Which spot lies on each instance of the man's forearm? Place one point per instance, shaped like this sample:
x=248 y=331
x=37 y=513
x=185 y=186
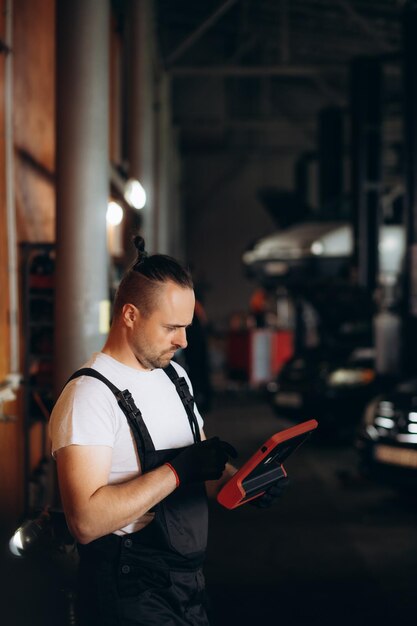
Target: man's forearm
x=112 y=507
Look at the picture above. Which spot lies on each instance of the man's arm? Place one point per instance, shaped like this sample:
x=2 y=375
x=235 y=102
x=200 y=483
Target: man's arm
x=92 y=507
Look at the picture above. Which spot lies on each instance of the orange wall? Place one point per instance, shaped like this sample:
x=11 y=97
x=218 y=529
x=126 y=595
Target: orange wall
x=34 y=136
x=34 y=118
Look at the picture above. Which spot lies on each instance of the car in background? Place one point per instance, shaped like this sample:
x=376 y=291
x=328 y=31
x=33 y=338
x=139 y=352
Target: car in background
x=387 y=440
x=326 y=385
x=301 y=250
x=313 y=250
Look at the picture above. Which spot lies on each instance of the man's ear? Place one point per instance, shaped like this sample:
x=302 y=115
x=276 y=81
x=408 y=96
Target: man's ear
x=130 y=314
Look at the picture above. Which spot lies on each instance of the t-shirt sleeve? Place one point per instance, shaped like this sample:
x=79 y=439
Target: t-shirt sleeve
x=85 y=414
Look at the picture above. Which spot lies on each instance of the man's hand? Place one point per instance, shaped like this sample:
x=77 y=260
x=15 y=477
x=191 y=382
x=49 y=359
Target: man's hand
x=273 y=492
x=202 y=461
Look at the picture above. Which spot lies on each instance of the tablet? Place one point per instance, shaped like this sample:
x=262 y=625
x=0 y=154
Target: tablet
x=265 y=466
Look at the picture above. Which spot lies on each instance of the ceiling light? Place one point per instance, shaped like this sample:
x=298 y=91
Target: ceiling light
x=135 y=194
x=114 y=213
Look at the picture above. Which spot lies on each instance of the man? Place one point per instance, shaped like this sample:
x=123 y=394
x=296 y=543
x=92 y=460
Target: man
x=132 y=468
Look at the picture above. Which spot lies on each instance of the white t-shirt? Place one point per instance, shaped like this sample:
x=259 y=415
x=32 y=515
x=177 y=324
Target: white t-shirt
x=87 y=413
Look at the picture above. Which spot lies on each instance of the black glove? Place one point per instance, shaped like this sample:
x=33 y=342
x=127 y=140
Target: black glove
x=202 y=461
x=272 y=493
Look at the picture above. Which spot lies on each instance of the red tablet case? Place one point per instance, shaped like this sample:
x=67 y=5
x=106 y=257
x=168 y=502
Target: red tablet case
x=265 y=466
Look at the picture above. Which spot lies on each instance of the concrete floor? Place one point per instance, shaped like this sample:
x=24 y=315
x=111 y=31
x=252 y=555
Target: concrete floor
x=331 y=552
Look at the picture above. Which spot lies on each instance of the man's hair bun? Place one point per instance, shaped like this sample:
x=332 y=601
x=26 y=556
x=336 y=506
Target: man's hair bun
x=139 y=243
x=141 y=283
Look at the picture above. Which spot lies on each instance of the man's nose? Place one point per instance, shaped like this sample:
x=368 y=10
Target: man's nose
x=181 y=338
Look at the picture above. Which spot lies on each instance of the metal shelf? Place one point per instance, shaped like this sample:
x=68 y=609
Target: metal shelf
x=36 y=413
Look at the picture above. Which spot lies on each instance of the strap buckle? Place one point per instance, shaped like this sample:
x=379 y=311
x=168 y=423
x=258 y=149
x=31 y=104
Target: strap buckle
x=183 y=390
x=126 y=401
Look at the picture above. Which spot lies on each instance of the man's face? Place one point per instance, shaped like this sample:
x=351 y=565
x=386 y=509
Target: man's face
x=154 y=339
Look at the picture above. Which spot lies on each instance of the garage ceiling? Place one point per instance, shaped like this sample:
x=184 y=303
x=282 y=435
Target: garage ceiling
x=256 y=73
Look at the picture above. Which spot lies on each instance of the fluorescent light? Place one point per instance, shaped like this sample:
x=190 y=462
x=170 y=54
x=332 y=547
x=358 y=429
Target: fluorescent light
x=114 y=213
x=407 y=438
x=385 y=422
x=372 y=432
x=135 y=194
x=386 y=409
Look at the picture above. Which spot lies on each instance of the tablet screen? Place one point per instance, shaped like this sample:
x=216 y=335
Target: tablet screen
x=270 y=469
x=265 y=466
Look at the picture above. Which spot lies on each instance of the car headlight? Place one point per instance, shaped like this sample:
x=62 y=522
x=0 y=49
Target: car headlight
x=371 y=411
x=345 y=377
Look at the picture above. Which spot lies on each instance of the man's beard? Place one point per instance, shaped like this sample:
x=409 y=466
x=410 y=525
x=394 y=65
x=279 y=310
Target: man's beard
x=151 y=362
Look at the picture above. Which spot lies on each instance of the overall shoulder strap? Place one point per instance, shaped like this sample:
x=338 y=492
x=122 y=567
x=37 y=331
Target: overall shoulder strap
x=89 y=371
x=187 y=399
x=127 y=404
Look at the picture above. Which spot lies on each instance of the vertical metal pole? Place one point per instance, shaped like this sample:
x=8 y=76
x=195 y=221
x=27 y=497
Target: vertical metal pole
x=410 y=140
x=330 y=138
x=82 y=182
x=141 y=123
x=14 y=366
x=366 y=165
x=302 y=177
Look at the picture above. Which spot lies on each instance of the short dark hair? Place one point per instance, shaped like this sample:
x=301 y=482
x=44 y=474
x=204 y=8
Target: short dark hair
x=141 y=283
